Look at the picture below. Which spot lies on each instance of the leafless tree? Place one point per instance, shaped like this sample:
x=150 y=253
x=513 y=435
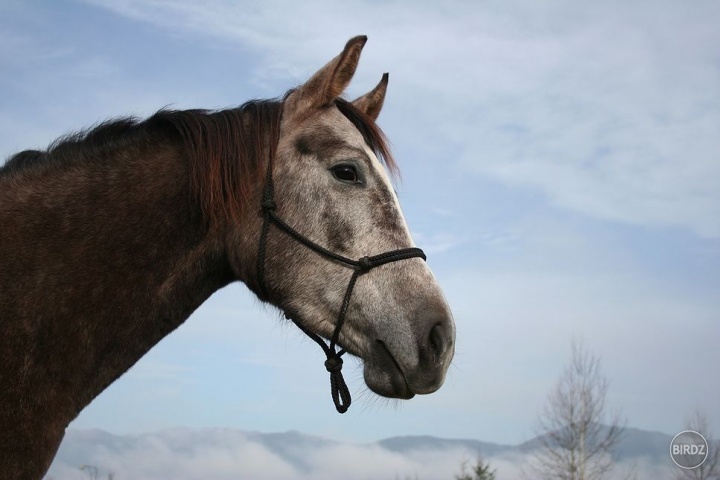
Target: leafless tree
x=480 y=471
x=91 y=470
x=576 y=435
x=710 y=468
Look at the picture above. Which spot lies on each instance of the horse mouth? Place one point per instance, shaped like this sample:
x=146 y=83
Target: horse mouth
x=383 y=374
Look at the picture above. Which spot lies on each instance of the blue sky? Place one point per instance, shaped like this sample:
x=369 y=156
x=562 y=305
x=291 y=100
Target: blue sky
x=560 y=165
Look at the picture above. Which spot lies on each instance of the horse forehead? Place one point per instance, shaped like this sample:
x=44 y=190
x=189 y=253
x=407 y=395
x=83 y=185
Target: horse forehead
x=380 y=169
x=333 y=123
x=328 y=130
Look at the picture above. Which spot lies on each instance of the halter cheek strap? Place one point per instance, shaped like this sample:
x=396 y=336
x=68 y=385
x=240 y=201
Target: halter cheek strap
x=338 y=388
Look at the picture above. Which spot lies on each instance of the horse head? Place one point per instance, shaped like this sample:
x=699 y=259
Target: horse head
x=330 y=194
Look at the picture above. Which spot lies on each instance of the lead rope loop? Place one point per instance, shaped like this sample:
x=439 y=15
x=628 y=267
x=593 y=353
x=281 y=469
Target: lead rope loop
x=338 y=388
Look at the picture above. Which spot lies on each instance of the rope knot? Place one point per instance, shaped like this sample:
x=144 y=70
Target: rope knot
x=334 y=364
x=364 y=263
x=268 y=204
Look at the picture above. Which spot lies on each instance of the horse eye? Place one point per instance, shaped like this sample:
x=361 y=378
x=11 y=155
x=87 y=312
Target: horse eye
x=345 y=173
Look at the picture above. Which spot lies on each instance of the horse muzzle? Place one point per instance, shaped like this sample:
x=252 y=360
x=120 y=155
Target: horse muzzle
x=396 y=370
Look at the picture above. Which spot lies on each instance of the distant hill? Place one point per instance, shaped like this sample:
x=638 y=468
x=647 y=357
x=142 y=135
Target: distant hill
x=634 y=443
x=419 y=443
x=188 y=454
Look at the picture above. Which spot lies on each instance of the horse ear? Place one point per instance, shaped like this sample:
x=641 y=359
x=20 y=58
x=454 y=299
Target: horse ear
x=330 y=81
x=371 y=103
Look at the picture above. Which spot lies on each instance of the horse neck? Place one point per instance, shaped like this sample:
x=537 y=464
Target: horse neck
x=101 y=261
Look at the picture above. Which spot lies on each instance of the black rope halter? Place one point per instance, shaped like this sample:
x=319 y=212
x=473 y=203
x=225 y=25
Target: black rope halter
x=333 y=363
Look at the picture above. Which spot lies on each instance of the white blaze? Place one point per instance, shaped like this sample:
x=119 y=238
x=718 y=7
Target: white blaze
x=388 y=184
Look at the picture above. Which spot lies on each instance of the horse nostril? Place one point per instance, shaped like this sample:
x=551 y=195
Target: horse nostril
x=438 y=341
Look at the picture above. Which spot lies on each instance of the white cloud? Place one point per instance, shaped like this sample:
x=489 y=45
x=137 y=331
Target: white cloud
x=439 y=242
x=616 y=117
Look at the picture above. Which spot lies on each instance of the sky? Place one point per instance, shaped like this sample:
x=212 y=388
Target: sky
x=560 y=167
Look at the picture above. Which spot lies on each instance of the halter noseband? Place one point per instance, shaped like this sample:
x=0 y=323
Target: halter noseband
x=333 y=364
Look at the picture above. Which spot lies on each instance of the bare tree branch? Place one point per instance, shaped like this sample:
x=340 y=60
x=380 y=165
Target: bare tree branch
x=576 y=439
x=710 y=468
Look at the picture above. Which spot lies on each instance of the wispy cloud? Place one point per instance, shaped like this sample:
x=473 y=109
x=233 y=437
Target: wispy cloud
x=439 y=242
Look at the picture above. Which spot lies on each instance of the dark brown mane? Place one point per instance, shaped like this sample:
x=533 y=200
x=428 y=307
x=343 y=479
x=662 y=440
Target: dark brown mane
x=78 y=147
x=227 y=149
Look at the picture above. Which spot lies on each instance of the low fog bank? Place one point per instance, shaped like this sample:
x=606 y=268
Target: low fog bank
x=195 y=454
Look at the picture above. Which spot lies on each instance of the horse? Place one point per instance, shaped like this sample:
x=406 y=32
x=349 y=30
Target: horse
x=111 y=237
